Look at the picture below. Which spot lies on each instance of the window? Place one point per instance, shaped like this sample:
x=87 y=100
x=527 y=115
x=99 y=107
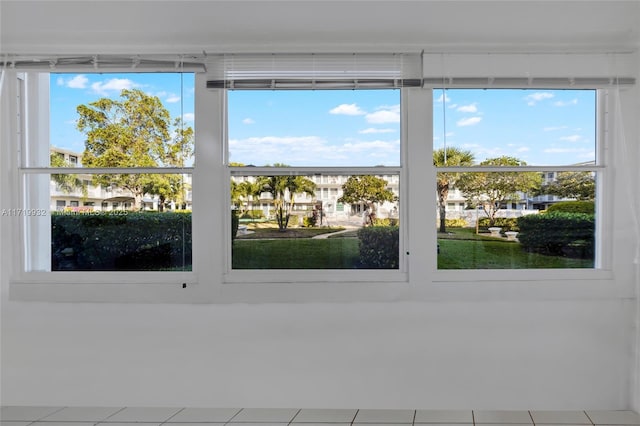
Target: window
x=97 y=217
x=322 y=165
x=525 y=165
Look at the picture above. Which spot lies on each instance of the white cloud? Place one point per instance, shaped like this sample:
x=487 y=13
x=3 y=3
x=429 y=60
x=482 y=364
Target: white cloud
x=347 y=109
x=533 y=98
x=172 y=99
x=248 y=121
x=312 y=150
x=113 y=85
x=524 y=149
x=374 y=130
x=384 y=114
x=78 y=82
x=554 y=128
x=468 y=121
x=468 y=108
x=446 y=98
x=566 y=103
x=189 y=116
x=572 y=138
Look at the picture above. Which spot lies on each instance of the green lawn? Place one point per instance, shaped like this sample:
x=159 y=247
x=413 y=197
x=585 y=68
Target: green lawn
x=463 y=249
x=459 y=249
x=298 y=253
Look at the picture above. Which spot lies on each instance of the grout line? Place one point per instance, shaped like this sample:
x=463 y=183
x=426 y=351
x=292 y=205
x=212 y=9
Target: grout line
x=413 y=421
x=531 y=415
x=473 y=418
x=592 y=422
x=233 y=417
x=108 y=417
x=174 y=414
x=294 y=416
x=354 y=417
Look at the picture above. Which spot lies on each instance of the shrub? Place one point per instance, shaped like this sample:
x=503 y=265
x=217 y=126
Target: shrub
x=252 y=214
x=120 y=241
x=588 y=207
x=558 y=234
x=390 y=221
x=235 y=223
x=379 y=247
x=455 y=223
x=506 y=223
x=310 y=221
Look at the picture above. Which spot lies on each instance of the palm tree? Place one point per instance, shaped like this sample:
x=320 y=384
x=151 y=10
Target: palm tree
x=446 y=157
x=282 y=186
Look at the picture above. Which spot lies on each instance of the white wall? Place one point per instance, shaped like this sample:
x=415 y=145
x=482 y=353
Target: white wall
x=508 y=355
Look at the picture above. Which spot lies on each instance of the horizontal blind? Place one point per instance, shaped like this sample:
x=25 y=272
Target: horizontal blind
x=315 y=71
x=106 y=63
x=519 y=70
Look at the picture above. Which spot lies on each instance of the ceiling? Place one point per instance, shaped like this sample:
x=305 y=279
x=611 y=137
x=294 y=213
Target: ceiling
x=187 y=26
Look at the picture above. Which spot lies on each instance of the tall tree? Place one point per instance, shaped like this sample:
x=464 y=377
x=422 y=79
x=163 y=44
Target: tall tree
x=490 y=190
x=577 y=185
x=367 y=189
x=444 y=157
x=67 y=183
x=283 y=189
x=132 y=131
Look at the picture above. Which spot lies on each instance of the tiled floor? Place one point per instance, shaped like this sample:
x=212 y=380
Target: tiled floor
x=125 y=416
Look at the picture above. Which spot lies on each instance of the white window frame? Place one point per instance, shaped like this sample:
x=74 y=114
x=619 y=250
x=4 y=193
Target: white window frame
x=603 y=240
x=320 y=275
x=209 y=282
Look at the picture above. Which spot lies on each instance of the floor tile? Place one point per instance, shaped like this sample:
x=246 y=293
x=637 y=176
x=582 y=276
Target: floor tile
x=82 y=414
x=10 y=423
x=614 y=417
x=385 y=416
x=207 y=415
x=143 y=414
x=307 y=415
x=265 y=415
x=260 y=423
x=560 y=417
x=63 y=424
x=117 y=424
x=502 y=417
x=444 y=416
x=324 y=424
x=30 y=413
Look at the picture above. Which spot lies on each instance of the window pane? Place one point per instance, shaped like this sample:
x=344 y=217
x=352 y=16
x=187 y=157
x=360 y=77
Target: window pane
x=314 y=128
x=516 y=220
x=315 y=222
x=514 y=127
x=92 y=225
x=120 y=120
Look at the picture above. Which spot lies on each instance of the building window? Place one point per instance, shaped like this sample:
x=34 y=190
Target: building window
x=304 y=148
x=511 y=155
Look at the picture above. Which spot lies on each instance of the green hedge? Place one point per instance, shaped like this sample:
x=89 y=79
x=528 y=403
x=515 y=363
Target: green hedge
x=588 y=207
x=506 y=223
x=126 y=241
x=379 y=247
x=455 y=223
x=235 y=223
x=558 y=234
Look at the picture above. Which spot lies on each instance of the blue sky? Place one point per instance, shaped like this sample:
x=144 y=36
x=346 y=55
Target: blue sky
x=541 y=127
x=355 y=128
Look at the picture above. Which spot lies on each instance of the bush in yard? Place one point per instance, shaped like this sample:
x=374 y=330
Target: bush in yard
x=379 y=247
x=588 y=207
x=235 y=223
x=108 y=241
x=455 y=223
x=506 y=223
x=558 y=234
